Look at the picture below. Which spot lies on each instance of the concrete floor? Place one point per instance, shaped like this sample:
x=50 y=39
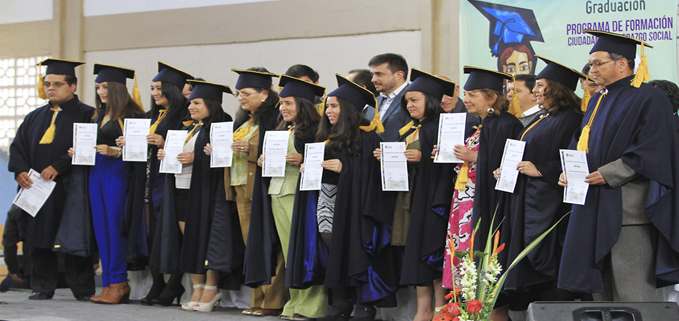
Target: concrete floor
x=15 y=306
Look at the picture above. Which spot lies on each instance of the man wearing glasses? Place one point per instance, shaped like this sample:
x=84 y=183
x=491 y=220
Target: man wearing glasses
x=41 y=143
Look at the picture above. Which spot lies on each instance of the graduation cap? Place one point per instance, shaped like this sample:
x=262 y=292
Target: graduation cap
x=560 y=73
x=430 y=84
x=112 y=73
x=172 y=75
x=56 y=67
x=253 y=79
x=625 y=46
x=480 y=78
x=299 y=88
x=359 y=97
x=208 y=90
x=508 y=24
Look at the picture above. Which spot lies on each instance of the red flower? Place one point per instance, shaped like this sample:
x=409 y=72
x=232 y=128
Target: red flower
x=453 y=294
x=474 y=306
x=452 y=308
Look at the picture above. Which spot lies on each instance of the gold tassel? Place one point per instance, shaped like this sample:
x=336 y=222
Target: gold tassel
x=375 y=124
x=642 y=72
x=462 y=177
x=406 y=128
x=135 y=94
x=161 y=115
x=41 y=83
x=585 y=97
x=48 y=137
x=514 y=105
x=187 y=123
x=583 y=142
x=320 y=107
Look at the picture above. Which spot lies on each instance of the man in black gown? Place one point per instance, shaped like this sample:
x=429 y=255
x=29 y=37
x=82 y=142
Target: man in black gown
x=41 y=143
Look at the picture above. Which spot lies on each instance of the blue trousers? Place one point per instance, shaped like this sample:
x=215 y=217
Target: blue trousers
x=107 y=198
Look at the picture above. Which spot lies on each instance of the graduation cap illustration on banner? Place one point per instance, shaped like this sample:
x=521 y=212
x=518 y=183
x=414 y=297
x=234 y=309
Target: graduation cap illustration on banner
x=509 y=24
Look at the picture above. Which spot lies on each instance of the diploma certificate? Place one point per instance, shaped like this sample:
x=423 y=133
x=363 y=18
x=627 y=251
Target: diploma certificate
x=135 y=132
x=221 y=138
x=575 y=169
x=32 y=199
x=394 y=167
x=511 y=157
x=274 y=150
x=310 y=179
x=84 y=143
x=174 y=145
x=451 y=133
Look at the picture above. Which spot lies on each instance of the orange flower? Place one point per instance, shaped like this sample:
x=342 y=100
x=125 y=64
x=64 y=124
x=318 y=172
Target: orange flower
x=474 y=306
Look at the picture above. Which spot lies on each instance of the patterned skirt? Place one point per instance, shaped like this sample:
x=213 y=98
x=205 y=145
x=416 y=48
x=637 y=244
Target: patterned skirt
x=326 y=207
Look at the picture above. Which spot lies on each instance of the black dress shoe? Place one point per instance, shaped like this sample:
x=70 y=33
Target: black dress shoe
x=40 y=296
x=83 y=297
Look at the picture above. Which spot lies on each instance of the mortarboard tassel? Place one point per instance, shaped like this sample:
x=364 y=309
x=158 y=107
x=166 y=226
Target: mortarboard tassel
x=642 y=72
x=48 y=137
x=583 y=142
x=320 y=107
x=514 y=105
x=135 y=93
x=375 y=124
x=41 y=83
x=585 y=97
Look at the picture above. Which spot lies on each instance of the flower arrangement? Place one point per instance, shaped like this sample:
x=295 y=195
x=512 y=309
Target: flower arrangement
x=473 y=296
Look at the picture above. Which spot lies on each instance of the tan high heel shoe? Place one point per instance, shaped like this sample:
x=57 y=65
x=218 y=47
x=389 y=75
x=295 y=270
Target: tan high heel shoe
x=188 y=306
x=102 y=295
x=207 y=307
x=117 y=293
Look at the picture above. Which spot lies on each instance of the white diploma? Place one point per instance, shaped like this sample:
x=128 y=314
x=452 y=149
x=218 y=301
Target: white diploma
x=174 y=145
x=511 y=157
x=84 y=144
x=221 y=138
x=575 y=169
x=451 y=133
x=274 y=150
x=32 y=199
x=136 y=147
x=394 y=167
x=310 y=179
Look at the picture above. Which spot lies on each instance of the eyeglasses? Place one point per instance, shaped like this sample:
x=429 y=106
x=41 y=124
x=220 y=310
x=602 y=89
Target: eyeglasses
x=598 y=64
x=242 y=94
x=55 y=85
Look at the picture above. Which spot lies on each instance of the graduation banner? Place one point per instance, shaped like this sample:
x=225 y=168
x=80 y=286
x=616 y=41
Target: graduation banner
x=505 y=35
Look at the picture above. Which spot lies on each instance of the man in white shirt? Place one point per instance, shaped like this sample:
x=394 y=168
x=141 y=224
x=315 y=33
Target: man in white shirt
x=524 y=89
x=390 y=72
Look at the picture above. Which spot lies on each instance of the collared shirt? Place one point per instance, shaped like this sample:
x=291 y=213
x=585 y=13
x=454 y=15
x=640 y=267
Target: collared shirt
x=388 y=99
x=531 y=111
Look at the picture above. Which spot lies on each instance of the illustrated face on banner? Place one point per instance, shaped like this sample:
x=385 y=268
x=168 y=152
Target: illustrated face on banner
x=517 y=62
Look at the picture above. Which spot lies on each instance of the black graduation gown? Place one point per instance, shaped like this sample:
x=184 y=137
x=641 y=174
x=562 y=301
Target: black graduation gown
x=432 y=193
x=360 y=254
x=26 y=153
x=635 y=125
x=537 y=202
x=263 y=243
x=492 y=138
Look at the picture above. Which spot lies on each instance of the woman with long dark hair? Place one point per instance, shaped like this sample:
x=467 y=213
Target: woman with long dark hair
x=108 y=179
x=340 y=234
x=536 y=203
x=147 y=186
x=257 y=113
x=301 y=119
x=420 y=214
x=204 y=199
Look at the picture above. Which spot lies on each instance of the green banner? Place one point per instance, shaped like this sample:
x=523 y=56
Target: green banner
x=505 y=35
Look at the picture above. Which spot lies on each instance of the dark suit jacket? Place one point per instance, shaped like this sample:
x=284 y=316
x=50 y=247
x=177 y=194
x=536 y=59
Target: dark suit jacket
x=393 y=120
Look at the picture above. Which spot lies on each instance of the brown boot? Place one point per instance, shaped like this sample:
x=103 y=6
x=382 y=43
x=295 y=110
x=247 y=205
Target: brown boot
x=96 y=299
x=117 y=293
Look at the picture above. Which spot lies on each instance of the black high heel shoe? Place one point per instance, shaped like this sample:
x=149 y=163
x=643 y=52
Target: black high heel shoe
x=336 y=313
x=155 y=291
x=364 y=313
x=168 y=296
